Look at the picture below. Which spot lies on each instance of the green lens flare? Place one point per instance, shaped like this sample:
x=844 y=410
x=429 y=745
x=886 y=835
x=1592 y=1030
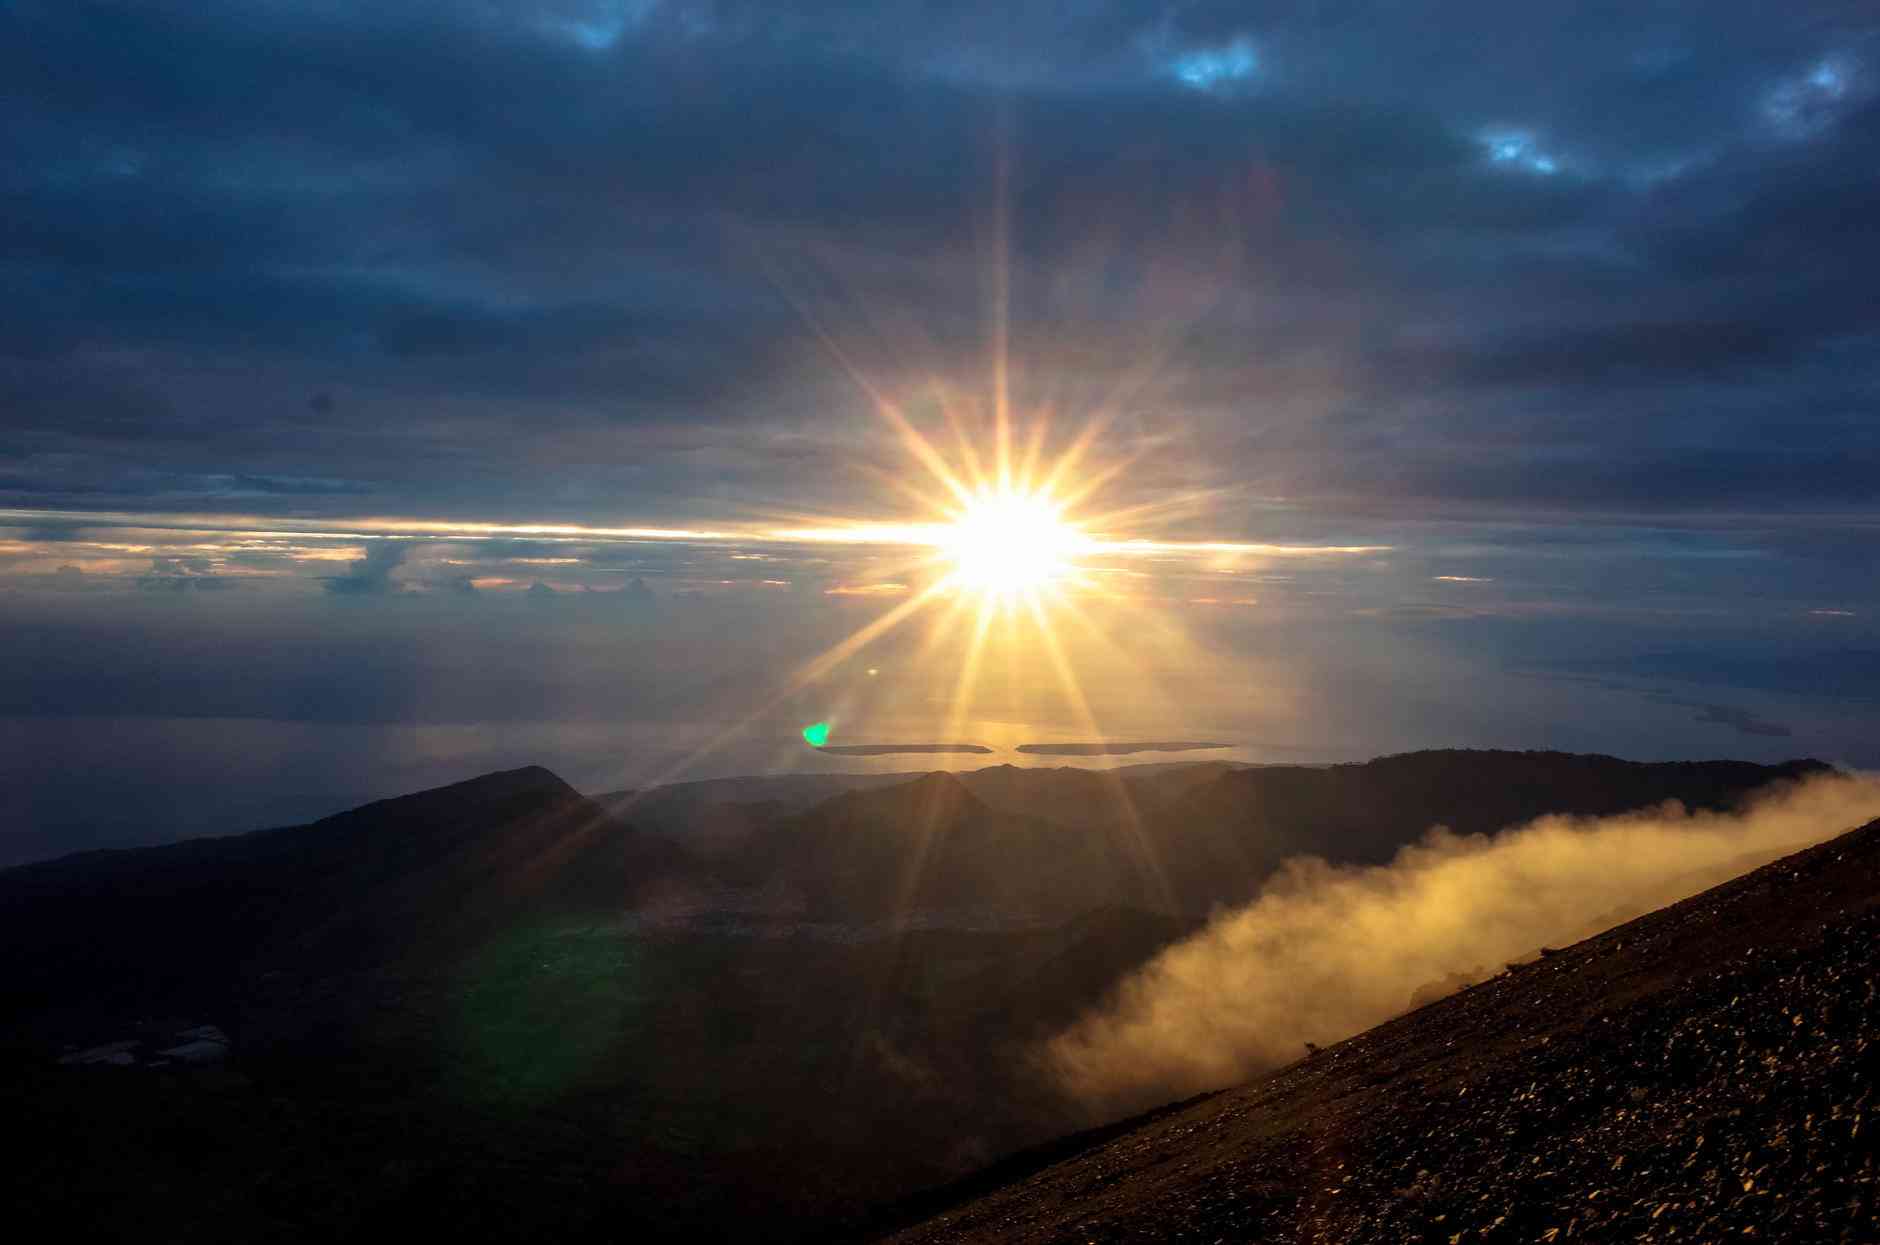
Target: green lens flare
x=816 y=734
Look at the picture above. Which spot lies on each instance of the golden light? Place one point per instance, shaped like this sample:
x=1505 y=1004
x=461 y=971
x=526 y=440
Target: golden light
x=1004 y=543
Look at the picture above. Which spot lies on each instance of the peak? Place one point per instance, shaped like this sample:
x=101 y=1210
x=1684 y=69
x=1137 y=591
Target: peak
x=530 y=781
x=937 y=792
x=508 y=782
x=937 y=786
x=941 y=786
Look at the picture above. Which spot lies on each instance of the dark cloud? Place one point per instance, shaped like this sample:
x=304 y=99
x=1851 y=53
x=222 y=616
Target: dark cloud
x=1801 y=669
x=533 y=230
x=1742 y=720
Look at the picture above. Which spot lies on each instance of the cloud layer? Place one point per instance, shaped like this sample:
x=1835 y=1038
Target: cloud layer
x=573 y=257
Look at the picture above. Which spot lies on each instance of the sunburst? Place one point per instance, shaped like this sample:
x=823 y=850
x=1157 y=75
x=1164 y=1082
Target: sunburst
x=1010 y=543
x=1006 y=546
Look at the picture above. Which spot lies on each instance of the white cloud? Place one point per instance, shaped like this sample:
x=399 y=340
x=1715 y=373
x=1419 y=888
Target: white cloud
x=1813 y=101
x=1518 y=149
x=1217 y=67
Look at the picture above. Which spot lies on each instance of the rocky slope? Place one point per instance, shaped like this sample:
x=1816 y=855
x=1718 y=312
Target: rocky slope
x=1706 y=1072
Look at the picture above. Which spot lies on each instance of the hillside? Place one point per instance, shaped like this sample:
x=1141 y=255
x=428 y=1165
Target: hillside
x=1021 y=845
x=493 y=1010
x=1222 y=838
x=715 y=808
x=932 y=847
x=1705 y=1072
x=419 y=877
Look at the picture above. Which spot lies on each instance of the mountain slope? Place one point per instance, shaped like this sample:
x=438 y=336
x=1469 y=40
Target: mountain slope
x=675 y=808
x=1100 y=798
x=378 y=883
x=932 y=846
x=1224 y=837
x=1703 y=1072
x=1031 y=844
x=723 y=808
x=1037 y=844
x=473 y=1011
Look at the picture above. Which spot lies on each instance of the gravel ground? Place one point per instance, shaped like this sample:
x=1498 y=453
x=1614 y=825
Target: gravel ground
x=1705 y=1073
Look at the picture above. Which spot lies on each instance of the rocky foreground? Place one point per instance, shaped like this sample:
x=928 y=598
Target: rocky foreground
x=1704 y=1073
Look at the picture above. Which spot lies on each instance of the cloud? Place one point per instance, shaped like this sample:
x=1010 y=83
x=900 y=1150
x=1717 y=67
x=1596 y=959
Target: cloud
x=883 y=750
x=1112 y=749
x=371 y=575
x=1839 y=673
x=183 y=574
x=867 y=590
x=1326 y=951
x=675 y=203
x=1220 y=67
x=1742 y=721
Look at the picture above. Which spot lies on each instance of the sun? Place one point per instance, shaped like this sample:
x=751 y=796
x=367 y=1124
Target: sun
x=1004 y=543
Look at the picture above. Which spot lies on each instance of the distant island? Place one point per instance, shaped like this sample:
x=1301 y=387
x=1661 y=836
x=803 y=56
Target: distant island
x=1110 y=750
x=882 y=750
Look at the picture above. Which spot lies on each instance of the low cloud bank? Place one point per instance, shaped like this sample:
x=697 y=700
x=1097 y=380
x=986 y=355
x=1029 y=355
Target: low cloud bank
x=1110 y=750
x=888 y=750
x=1329 y=951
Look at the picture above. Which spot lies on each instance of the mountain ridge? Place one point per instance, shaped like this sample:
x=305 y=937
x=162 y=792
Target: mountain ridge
x=577 y=1002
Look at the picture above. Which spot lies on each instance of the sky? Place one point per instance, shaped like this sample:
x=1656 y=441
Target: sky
x=389 y=391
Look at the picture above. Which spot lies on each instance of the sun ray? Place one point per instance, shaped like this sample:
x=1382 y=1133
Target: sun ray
x=1005 y=538
x=1068 y=461
x=927 y=819
x=1139 y=844
x=1001 y=304
x=863 y=637
x=923 y=451
x=809 y=673
x=963 y=438
x=1034 y=452
x=965 y=685
x=1097 y=480
x=942 y=627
